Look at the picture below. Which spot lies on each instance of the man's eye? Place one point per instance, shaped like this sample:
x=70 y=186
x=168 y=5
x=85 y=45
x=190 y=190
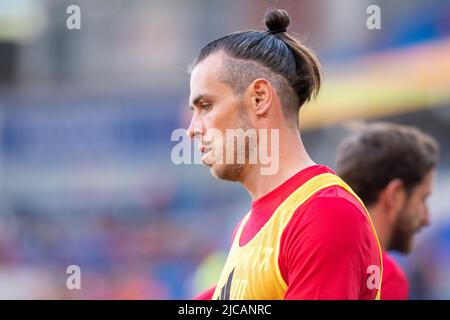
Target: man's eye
x=206 y=106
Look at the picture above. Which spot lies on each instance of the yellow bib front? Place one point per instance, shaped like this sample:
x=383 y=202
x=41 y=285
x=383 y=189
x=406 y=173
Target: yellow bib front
x=251 y=272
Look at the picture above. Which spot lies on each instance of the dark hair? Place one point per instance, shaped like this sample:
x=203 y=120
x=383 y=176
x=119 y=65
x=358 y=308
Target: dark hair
x=291 y=68
x=369 y=159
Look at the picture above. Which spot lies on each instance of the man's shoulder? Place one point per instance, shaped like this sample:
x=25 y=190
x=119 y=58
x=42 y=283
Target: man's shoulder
x=334 y=214
x=333 y=194
x=395 y=283
x=392 y=270
x=333 y=200
x=329 y=196
x=331 y=211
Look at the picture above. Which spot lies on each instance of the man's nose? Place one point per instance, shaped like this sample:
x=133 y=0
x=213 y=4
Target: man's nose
x=426 y=217
x=195 y=128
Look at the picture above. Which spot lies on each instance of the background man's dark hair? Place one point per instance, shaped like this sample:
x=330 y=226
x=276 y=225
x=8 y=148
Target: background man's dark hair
x=291 y=68
x=369 y=159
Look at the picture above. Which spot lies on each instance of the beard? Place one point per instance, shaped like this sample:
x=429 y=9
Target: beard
x=228 y=172
x=403 y=232
x=234 y=171
x=401 y=241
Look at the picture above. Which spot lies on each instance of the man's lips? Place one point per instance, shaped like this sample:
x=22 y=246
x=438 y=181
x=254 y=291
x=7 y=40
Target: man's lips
x=205 y=153
x=204 y=149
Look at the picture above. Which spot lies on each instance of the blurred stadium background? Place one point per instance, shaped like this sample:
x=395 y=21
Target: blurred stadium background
x=86 y=118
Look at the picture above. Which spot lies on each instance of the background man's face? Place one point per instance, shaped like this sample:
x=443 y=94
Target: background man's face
x=215 y=107
x=413 y=217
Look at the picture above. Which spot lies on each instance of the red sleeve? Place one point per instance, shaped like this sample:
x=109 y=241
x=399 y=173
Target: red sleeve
x=205 y=295
x=395 y=283
x=326 y=249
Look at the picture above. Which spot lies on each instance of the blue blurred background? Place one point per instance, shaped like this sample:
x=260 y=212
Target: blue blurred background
x=86 y=117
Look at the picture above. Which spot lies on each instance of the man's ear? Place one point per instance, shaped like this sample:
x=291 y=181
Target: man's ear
x=260 y=94
x=395 y=197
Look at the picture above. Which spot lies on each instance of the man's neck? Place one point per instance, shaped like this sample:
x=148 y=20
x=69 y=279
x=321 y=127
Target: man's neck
x=379 y=217
x=292 y=159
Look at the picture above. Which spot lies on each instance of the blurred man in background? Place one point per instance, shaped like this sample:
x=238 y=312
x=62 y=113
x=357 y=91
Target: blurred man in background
x=391 y=167
x=307 y=235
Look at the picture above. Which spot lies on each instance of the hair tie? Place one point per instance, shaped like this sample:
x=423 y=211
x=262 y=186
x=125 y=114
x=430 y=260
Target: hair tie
x=277 y=31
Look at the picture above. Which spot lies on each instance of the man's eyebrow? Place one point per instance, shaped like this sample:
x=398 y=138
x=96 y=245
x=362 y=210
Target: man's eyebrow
x=197 y=100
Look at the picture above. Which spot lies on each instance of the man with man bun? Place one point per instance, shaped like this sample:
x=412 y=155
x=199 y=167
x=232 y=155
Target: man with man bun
x=307 y=235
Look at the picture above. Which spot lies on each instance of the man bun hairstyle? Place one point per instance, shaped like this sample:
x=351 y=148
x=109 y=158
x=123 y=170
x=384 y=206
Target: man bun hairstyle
x=277 y=21
x=291 y=68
